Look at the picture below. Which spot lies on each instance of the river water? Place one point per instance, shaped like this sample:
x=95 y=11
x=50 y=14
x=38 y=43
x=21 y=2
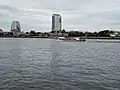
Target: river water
x=46 y=64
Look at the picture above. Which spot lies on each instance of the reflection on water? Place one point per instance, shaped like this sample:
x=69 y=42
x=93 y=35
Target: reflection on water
x=43 y=64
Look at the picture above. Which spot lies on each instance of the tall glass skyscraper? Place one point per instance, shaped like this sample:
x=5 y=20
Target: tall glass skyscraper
x=15 y=28
x=56 y=22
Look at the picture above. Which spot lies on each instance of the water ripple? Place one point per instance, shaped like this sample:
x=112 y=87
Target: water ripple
x=41 y=64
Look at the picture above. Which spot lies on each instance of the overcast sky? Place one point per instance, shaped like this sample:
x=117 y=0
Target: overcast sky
x=82 y=15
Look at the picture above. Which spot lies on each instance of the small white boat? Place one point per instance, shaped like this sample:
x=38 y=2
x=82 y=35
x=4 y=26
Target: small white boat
x=71 y=39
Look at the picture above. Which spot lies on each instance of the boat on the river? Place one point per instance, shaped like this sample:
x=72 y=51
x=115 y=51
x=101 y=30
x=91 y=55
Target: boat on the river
x=76 y=39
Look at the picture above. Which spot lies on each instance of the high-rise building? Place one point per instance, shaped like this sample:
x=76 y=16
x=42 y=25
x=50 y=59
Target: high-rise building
x=15 y=28
x=56 y=22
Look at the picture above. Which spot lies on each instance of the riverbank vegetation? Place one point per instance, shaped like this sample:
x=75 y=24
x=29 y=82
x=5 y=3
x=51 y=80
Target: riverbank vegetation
x=32 y=33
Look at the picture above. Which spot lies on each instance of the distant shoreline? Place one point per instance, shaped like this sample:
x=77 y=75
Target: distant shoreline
x=108 y=38
x=116 y=38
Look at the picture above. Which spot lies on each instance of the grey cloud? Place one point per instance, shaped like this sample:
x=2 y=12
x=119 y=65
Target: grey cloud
x=96 y=23
x=95 y=18
x=6 y=7
x=44 y=12
x=1 y=15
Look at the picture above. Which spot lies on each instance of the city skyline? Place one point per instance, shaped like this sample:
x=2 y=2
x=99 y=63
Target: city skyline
x=80 y=15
